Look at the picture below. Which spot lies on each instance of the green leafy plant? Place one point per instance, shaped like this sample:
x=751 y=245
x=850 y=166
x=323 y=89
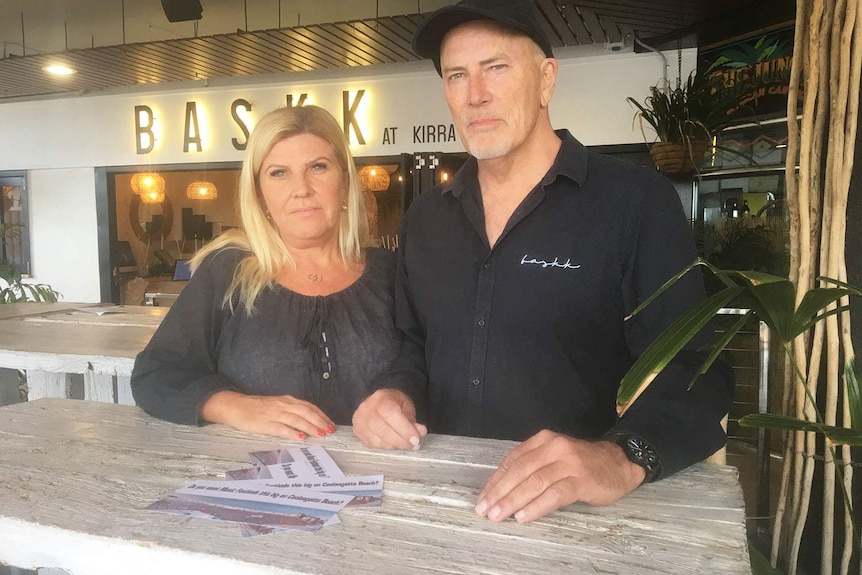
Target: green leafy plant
x=691 y=112
x=13 y=289
x=771 y=299
x=686 y=120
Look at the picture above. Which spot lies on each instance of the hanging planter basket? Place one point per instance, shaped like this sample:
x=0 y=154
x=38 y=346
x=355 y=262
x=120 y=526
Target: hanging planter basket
x=678 y=159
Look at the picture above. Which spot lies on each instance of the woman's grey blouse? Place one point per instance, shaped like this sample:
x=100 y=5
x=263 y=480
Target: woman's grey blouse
x=324 y=349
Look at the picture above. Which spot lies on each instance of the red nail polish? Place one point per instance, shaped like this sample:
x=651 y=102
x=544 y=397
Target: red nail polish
x=330 y=429
x=301 y=435
x=320 y=433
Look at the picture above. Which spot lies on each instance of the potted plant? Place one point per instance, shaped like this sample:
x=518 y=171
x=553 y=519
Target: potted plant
x=771 y=299
x=685 y=120
x=12 y=287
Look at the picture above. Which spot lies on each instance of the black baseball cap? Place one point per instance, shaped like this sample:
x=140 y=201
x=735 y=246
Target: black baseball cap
x=517 y=14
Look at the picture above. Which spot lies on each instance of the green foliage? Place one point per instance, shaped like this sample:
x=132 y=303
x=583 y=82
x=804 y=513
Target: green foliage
x=760 y=565
x=692 y=112
x=13 y=289
x=772 y=299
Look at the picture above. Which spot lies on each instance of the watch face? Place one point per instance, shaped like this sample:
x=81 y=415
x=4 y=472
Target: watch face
x=641 y=453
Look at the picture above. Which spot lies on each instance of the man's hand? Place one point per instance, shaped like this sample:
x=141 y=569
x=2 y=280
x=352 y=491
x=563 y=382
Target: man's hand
x=387 y=420
x=279 y=415
x=551 y=470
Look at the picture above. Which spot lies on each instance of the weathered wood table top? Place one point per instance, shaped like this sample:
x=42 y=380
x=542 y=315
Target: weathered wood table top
x=61 y=338
x=75 y=477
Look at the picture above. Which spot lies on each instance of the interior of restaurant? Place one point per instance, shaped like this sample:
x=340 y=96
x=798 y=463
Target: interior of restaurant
x=160 y=215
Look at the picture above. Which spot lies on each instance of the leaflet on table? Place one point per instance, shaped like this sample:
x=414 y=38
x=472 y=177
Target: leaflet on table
x=254 y=504
x=279 y=521
x=297 y=463
x=367 y=490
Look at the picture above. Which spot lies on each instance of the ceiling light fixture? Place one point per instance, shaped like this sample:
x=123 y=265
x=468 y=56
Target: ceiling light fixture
x=144 y=182
x=59 y=70
x=374 y=178
x=202 y=191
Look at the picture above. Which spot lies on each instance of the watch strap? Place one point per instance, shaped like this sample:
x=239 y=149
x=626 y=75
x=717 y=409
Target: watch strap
x=638 y=452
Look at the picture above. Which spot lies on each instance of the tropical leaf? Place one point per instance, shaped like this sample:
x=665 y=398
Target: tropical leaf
x=760 y=565
x=854 y=394
x=813 y=302
x=717 y=346
x=656 y=357
x=666 y=285
x=852 y=289
x=839 y=435
x=775 y=303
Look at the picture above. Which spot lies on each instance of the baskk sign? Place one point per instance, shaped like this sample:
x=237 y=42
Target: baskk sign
x=149 y=131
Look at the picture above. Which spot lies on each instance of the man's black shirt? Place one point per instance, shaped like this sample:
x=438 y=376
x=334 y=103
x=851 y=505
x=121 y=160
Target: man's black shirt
x=528 y=335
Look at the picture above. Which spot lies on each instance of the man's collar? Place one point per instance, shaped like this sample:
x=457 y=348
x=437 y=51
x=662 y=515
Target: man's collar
x=571 y=161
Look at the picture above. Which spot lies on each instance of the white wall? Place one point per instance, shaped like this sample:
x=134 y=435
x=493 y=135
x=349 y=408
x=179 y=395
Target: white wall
x=64 y=249
x=60 y=141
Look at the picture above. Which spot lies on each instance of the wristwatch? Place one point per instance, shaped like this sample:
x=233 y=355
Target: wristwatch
x=638 y=452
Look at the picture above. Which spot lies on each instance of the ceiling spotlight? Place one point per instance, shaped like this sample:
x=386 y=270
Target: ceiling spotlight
x=59 y=70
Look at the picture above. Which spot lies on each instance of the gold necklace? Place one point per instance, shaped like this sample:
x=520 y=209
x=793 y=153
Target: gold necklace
x=316 y=278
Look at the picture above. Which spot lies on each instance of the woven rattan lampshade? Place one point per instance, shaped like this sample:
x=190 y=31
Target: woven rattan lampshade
x=150 y=186
x=202 y=191
x=374 y=178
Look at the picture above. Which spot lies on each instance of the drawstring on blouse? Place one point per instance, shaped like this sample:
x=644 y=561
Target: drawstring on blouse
x=315 y=339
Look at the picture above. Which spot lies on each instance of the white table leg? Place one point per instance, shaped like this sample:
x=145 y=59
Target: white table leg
x=47 y=384
x=124 y=390
x=98 y=387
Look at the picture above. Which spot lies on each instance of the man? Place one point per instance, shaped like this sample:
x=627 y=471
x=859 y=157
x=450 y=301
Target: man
x=514 y=281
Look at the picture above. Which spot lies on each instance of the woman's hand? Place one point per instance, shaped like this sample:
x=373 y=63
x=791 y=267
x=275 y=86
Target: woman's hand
x=278 y=415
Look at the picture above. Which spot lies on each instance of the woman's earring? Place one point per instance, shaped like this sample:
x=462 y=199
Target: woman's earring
x=344 y=206
x=267 y=214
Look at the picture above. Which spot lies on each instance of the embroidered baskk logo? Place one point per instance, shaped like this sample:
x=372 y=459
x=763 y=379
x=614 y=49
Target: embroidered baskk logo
x=568 y=265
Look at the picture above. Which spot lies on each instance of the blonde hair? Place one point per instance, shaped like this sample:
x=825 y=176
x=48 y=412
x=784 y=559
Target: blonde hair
x=257 y=233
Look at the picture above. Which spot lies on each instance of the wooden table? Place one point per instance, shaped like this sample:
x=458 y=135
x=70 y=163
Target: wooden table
x=53 y=341
x=75 y=477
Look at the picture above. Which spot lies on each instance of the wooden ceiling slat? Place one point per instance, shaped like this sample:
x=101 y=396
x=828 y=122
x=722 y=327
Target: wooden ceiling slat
x=213 y=49
x=126 y=62
x=644 y=8
x=561 y=32
x=577 y=25
x=591 y=21
x=284 y=57
x=348 y=38
x=628 y=33
x=364 y=33
x=409 y=23
x=311 y=41
x=385 y=36
x=323 y=37
x=173 y=58
x=298 y=51
x=266 y=54
x=233 y=47
x=609 y=25
x=668 y=22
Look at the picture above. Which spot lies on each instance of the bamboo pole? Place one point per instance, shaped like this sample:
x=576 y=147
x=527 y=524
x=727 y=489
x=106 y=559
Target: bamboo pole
x=854 y=16
x=792 y=187
x=834 y=209
x=813 y=124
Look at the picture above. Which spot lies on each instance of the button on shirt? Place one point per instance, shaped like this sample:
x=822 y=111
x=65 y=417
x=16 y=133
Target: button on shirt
x=528 y=335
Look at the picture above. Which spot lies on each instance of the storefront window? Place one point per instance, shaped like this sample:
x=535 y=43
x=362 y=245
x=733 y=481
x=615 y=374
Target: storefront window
x=15 y=245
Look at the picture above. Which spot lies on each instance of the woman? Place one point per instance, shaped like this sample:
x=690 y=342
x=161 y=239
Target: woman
x=284 y=323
